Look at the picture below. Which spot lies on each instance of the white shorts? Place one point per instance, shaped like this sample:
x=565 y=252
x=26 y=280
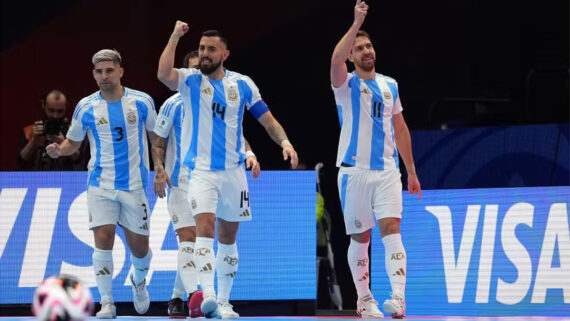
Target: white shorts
x=179 y=208
x=364 y=192
x=127 y=208
x=223 y=193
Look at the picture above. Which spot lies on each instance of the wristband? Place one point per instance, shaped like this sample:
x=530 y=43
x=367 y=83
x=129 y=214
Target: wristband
x=248 y=154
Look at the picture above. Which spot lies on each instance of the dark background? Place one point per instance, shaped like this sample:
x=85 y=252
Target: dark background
x=458 y=64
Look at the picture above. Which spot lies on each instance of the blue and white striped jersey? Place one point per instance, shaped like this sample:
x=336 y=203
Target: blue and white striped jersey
x=117 y=135
x=365 y=109
x=169 y=126
x=212 y=130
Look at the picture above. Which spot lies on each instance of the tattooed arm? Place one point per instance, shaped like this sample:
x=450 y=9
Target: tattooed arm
x=160 y=174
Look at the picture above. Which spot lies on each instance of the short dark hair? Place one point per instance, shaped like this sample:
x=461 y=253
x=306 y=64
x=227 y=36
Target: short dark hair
x=362 y=33
x=216 y=33
x=191 y=54
x=56 y=92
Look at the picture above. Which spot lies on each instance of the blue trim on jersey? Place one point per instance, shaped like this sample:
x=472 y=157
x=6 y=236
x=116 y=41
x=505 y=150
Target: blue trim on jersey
x=218 y=148
x=354 y=85
x=142 y=110
x=394 y=90
x=88 y=121
x=258 y=109
x=177 y=120
x=344 y=183
x=378 y=134
x=193 y=81
x=82 y=104
x=120 y=147
x=244 y=93
x=339 y=112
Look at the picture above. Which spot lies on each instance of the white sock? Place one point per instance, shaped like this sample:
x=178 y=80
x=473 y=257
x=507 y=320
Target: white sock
x=187 y=267
x=140 y=266
x=178 y=290
x=226 y=268
x=103 y=266
x=205 y=264
x=358 y=262
x=395 y=261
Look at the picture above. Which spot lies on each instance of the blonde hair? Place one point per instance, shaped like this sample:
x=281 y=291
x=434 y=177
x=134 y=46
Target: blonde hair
x=106 y=55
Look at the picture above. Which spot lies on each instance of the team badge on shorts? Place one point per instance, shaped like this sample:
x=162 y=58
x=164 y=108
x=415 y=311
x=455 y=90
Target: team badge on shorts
x=193 y=203
x=174 y=218
x=131 y=117
x=357 y=223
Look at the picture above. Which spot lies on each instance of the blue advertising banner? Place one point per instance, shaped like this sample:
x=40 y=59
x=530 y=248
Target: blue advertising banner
x=44 y=231
x=483 y=252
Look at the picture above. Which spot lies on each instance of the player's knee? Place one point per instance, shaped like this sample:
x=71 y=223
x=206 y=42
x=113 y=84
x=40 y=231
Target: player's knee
x=186 y=234
x=363 y=237
x=389 y=226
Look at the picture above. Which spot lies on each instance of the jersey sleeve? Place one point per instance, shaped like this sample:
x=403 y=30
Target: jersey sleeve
x=165 y=118
x=78 y=128
x=254 y=103
x=343 y=88
x=183 y=74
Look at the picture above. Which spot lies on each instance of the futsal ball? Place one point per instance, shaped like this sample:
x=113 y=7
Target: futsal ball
x=62 y=298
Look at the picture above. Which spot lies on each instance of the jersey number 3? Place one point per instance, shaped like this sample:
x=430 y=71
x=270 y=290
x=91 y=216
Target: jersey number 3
x=119 y=131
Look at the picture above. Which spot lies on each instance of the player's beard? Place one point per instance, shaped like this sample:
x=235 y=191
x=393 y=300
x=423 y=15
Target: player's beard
x=367 y=66
x=206 y=70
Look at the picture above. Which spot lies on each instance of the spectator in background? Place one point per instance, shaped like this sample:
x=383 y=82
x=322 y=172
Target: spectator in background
x=52 y=129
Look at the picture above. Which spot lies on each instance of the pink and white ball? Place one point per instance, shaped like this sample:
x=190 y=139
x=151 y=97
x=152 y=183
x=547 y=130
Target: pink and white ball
x=62 y=298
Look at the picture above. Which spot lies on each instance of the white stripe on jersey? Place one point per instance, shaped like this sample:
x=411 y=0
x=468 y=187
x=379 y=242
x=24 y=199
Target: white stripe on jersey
x=117 y=135
x=169 y=126
x=213 y=113
x=366 y=109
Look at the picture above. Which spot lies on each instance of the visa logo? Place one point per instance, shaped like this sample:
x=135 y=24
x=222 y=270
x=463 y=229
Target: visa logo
x=546 y=275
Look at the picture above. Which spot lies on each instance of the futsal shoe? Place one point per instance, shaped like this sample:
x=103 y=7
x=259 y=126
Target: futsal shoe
x=209 y=307
x=367 y=308
x=140 y=296
x=226 y=311
x=176 y=309
x=194 y=303
x=396 y=306
x=108 y=310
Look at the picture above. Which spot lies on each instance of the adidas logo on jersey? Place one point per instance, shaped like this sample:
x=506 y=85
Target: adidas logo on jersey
x=207 y=91
x=366 y=91
x=102 y=121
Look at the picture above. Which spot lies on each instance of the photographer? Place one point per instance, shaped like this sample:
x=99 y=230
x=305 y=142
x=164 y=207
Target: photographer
x=52 y=128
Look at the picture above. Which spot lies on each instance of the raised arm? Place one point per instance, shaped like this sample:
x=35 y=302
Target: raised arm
x=404 y=144
x=277 y=133
x=343 y=47
x=66 y=148
x=166 y=72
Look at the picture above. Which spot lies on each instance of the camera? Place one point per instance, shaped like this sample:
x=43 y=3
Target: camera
x=54 y=126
